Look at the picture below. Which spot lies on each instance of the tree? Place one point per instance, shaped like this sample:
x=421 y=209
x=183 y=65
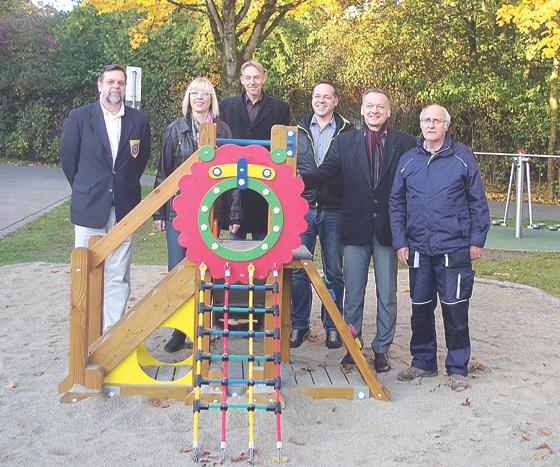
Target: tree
x=538 y=20
x=236 y=31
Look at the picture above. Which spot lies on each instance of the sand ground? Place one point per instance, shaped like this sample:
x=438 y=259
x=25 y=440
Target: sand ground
x=509 y=417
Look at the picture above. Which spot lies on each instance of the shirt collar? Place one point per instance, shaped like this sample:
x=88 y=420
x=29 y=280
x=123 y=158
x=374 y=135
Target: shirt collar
x=331 y=123
x=108 y=114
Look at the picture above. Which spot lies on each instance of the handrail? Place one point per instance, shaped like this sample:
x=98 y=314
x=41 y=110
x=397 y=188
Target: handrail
x=135 y=218
x=510 y=154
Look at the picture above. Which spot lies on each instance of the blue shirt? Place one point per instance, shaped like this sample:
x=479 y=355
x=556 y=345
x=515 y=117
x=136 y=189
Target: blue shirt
x=322 y=138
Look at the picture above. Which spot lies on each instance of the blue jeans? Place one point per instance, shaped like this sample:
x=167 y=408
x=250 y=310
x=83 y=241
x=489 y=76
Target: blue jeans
x=175 y=252
x=325 y=224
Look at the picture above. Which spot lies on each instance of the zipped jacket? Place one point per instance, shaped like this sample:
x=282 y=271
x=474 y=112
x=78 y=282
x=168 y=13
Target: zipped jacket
x=438 y=204
x=179 y=144
x=329 y=195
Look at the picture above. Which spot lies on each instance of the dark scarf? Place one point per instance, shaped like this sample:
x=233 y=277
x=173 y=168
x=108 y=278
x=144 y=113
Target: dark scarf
x=374 y=139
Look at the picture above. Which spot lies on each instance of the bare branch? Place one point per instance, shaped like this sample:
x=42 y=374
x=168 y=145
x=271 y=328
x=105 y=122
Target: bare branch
x=195 y=7
x=214 y=16
x=243 y=12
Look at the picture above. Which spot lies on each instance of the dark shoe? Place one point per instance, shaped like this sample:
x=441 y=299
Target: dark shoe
x=381 y=362
x=347 y=360
x=412 y=373
x=297 y=337
x=177 y=341
x=332 y=340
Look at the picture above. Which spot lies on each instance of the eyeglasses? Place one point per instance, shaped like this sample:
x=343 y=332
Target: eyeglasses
x=200 y=94
x=112 y=82
x=435 y=121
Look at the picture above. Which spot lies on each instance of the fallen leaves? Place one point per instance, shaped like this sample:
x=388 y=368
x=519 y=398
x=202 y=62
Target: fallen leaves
x=310 y=369
x=185 y=448
x=244 y=456
x=466 y=402
x=544 y=446
x=161 y=403
x=545 y=432
x=11 y=384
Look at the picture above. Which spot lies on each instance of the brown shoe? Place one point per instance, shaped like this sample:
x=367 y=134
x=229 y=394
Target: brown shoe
x=381 y=362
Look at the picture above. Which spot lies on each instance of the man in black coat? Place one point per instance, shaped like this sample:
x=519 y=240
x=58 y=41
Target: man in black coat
x=316 y=132
x=366 y=160
x=251 y=115
x=104 y=149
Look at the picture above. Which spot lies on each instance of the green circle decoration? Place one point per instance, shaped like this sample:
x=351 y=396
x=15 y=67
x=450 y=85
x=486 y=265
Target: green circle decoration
x=240 y=255
x=206 y=153
x=278 y=155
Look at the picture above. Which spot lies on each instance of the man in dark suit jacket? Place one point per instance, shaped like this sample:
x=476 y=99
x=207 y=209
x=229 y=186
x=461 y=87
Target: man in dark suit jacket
x=366 y=160
x=104 y=149
x=251 y=115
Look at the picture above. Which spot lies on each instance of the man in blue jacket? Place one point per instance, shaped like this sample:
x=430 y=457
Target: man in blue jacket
x=104 y=149
x=439 y=220
x=315 y=134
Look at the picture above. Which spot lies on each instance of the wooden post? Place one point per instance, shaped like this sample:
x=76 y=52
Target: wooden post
x=79 y=295
x=376 y=390
x=95 y=298
x=285 y=282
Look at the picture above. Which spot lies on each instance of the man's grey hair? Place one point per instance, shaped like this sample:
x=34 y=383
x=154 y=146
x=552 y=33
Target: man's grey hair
x=447 y=116
x=377 y=91
x=254 y=64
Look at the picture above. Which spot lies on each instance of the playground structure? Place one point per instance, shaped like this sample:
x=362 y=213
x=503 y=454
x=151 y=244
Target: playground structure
x=115 y=362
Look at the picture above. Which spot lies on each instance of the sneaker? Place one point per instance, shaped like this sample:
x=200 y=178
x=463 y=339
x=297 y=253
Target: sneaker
x=459 y=383
x=411 y=373
x=176 y=343
x=332 y=341
x=297 y=337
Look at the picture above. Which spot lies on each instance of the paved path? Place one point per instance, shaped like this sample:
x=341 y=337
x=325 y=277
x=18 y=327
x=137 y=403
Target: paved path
x=28 y=192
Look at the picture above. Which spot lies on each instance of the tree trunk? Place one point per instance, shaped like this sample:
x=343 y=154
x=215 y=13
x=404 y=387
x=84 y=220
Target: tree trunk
x=230 y=64
x=551 y=173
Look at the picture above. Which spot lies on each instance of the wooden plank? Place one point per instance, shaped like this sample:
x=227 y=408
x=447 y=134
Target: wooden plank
x=79 y=271
x=328 y=392
x=207 y=134
x=161 y=391
x=94 y=377
x=181 y=371
x=95 y=303
x=285 y=280
x=165 y=373
x=376 y=389
x=146 y=316
x=336 y=376
x=320 y=376
x=143 y=211
x=301 y=375
x=151 y=371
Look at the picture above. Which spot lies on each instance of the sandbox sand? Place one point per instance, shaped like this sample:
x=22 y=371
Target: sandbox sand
x=509 y=417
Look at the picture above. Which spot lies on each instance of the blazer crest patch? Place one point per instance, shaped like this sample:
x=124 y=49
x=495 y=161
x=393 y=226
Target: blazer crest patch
x=134 y=147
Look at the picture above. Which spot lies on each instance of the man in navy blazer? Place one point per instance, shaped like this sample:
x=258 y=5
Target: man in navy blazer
x=366 y=160
x=104 y=149
x=251 y=115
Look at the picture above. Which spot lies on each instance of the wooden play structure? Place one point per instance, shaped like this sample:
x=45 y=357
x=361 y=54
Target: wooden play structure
x=115 y=363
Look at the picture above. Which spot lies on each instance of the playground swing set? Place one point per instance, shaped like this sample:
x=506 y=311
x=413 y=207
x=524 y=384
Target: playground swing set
x=116 y=362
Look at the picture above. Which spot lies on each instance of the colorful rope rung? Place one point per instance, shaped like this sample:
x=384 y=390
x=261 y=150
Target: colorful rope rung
x=238 y=309
x=247 y=358
x=258 y=288
x=227 y=332
x=269 y=407
x=199 y=381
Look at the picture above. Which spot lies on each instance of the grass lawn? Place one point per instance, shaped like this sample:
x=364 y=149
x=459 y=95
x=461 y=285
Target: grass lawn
x=50 y=238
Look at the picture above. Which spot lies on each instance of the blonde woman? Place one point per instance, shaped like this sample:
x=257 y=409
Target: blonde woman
x=180 y=142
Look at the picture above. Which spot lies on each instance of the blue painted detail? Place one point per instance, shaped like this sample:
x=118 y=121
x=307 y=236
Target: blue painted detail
x=291 y=143
x=242 y=142
x=242 y=173
x=267 y=173
x=216 y=171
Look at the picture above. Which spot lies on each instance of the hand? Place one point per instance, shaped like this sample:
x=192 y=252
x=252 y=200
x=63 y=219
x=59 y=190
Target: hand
x=476 y=252
x=159 y=226
x=402 y=255
x=234 y=228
